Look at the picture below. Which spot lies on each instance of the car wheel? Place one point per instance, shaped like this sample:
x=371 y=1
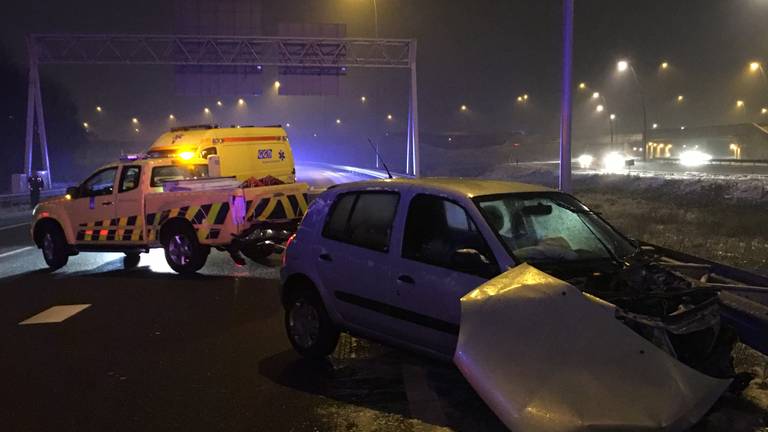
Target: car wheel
x=309 y=328
x=131 y=260
x=54 y=247
x=183 y=252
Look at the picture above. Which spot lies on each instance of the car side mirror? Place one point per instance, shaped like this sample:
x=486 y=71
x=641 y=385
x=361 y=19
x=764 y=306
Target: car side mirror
x=471 y=261
x=73 y=192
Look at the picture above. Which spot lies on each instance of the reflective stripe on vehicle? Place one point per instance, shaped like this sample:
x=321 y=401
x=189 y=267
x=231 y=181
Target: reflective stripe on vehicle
x=290 y=206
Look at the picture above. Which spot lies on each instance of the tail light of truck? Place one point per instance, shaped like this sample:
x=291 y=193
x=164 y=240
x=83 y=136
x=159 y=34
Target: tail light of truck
x=287 y=245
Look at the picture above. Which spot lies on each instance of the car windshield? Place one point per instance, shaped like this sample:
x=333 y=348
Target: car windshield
x=551 y=227
x=161 y=174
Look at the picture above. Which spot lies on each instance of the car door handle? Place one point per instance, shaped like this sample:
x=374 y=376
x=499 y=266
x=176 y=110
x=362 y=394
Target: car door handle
x=325 y=257
x=406 y=279
x=107 y=203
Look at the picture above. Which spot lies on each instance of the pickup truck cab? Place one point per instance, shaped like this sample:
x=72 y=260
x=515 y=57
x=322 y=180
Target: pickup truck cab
x=140 y=203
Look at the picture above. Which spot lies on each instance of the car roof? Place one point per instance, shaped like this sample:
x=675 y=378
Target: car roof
x=147 y=161
x=195 y=136
x=451 y=185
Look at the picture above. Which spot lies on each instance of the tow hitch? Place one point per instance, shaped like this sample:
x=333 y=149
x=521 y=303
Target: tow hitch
x=261 y=241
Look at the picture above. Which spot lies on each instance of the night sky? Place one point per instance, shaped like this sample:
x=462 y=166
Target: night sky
x=480 y=53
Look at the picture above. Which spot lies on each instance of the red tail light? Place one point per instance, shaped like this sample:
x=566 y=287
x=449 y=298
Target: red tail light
x=287 y=245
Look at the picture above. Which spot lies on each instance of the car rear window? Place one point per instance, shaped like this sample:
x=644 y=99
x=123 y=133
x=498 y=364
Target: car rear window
x=177 y=172
x=363 y=219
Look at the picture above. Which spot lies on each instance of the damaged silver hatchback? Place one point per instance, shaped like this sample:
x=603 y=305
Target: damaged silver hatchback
x=558 y=320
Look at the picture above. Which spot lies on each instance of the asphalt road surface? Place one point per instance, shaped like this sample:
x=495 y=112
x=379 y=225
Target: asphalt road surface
x=147 y=349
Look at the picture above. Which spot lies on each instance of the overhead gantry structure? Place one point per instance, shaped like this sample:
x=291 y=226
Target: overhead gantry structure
x=144 y=49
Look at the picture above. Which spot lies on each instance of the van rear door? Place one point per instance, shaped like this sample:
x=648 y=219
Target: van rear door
x=256 y=157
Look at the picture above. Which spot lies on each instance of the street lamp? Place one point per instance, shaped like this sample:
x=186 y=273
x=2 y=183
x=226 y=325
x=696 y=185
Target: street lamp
x=595 y=95
x=680 y=98
x=758 y=67
x=362 y=99
x=664 y=65
x=171 y=117
x=389 y=116
x=582 y=86
x=622 y=66
x=241 y=102
x=98 y=108
x=600 y=108
x=463 y=108
x=739 y=104
x=135 y=120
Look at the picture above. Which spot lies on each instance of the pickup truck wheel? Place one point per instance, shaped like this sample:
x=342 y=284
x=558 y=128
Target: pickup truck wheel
x=131 y=260
x=183 y=252
x=54 y=246
x=310 y=329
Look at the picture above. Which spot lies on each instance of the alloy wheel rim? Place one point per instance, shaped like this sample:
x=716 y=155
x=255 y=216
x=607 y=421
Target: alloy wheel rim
x=48 y=246
x=180 y=249
x=304 y=324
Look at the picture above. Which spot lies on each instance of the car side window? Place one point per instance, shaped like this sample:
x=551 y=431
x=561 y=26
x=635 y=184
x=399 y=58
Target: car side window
x=101 y=183
x=129 y=178
x=363 y=219
x=437 y=228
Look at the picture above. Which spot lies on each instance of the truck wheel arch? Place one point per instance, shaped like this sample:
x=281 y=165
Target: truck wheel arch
x=295 y=283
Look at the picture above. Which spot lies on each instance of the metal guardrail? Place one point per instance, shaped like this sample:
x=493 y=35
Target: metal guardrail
x=743 y=162
x=21 y=199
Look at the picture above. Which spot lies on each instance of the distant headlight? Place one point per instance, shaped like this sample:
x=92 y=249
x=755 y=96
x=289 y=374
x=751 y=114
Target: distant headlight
x=613 y=162
x=585 y=161
x=693 y=158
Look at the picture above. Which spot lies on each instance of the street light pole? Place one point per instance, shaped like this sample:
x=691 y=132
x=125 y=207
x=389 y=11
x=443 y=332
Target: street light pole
x=611 y=118
x=566 y=104
x=375 y=19
x=623 y=65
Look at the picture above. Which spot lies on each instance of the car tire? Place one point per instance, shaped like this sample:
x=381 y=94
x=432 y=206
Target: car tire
x=131 y=260
x=308 y=326
x=184 y=254
x=54 y=247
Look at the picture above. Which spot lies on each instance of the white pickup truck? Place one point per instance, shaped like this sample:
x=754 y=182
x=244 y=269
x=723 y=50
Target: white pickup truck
x=140 y=203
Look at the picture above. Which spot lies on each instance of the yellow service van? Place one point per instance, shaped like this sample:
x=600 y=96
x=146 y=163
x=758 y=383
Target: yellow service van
x=247 y=153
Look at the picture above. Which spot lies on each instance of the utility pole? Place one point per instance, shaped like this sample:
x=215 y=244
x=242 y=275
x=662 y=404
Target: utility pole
x=566 y=102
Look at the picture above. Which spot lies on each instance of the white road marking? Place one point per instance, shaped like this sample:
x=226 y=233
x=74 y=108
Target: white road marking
x=14 y=226
x=55 y=314
x=15 y=251
x=422 y=401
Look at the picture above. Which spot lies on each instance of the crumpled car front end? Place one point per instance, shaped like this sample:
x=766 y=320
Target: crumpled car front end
x=549 y=355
